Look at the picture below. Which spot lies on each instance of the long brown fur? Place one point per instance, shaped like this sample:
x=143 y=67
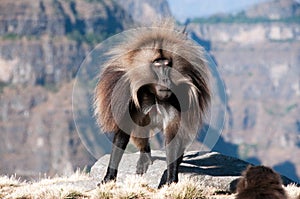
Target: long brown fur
x=126 y=57
x=260 y=182
x=120 y=102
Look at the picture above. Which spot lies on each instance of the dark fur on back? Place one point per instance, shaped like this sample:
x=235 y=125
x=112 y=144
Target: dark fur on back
x=260 y=182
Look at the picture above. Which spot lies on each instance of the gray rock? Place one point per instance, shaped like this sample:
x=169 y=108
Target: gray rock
x=208 y=168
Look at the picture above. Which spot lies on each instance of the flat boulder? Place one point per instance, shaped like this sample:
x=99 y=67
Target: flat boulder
x=208 y=168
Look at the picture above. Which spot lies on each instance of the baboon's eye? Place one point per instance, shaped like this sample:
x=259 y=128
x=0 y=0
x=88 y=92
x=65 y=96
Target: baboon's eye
x=157 y=63
x=167 y=63
x=162 y=62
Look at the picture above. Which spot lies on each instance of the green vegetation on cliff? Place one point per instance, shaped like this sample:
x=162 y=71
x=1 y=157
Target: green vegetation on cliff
x=242 y=18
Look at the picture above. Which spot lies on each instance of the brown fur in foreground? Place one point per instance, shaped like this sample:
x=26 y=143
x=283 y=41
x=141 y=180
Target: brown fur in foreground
x=155 y=79
x=260 y=182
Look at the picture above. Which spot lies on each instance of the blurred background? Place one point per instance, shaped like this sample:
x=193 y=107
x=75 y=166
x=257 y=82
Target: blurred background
x=256 y=45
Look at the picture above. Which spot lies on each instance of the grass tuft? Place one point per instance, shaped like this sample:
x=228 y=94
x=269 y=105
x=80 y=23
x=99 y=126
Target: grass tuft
x=134 y=187
x=185 y=189
x=74 y=195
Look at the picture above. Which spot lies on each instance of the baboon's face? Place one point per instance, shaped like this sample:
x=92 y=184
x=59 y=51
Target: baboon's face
x=161 y=68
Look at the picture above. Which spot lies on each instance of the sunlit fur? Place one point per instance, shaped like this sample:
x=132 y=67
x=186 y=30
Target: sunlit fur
x=129 y=101
x=130 y=63
x=260 y=182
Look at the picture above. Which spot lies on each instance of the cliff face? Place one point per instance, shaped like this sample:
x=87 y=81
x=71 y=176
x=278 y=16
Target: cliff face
x=146 y=11
x=245 y=34
x=58 y=17
x=42 y=61
x=37 y=132
x=42 y=44
x=259 y=62
x=277 y=9
x=42 y=41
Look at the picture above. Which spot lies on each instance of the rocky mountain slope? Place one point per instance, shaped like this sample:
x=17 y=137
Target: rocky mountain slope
x=143 y=11
x=258 y=58
x=278 y=9
x=42 y=44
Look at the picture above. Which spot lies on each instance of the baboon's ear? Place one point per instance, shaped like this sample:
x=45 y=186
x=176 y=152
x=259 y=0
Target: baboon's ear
x=184 y=31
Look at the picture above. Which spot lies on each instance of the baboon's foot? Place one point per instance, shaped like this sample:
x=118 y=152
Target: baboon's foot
x=110 y=176
x=143 y=163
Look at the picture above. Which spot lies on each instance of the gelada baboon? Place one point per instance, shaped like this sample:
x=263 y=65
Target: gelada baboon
x=260 y=182
x=155 y=80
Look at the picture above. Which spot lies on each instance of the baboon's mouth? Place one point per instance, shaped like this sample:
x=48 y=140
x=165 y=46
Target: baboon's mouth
x=163 y=94
x=165 y=90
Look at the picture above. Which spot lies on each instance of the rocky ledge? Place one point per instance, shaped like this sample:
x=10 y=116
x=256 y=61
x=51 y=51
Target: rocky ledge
x=211 y=169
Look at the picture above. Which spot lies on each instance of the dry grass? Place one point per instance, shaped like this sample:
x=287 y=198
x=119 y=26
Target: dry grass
x=293 y=191
x=78 y=186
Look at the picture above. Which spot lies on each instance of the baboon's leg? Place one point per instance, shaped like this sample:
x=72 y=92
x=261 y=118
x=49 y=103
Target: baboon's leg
x=174 y=158
x=145 y=154
x=174 y=152
x=172 y=169
x=120 y=142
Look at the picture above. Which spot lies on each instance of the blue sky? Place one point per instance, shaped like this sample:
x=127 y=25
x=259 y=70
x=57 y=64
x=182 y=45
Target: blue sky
x=183 y=9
